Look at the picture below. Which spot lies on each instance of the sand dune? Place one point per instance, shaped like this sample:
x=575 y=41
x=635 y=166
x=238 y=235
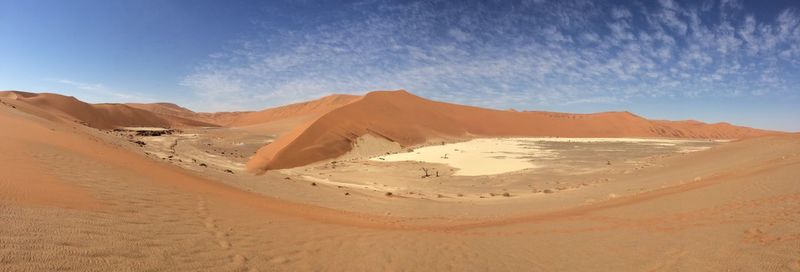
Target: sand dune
x=76 y=198
x=163 y=108
x=104 y=116
x=328 y=127
x=404 y=118
x=278 y=120
x=175 y=111
x=107 y=116
x=313 y=108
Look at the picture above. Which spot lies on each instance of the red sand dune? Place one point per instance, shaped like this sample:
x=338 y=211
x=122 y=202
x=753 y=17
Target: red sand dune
x=326 y=128
x=407 y=119
x=163 y=108
x=309 y=110
x=106 y=116
x=58 y=107
x=172 y=111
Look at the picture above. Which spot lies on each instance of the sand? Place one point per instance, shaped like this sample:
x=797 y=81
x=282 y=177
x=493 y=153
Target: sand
x=409 y=120
x=74 y=197
x=475 y=157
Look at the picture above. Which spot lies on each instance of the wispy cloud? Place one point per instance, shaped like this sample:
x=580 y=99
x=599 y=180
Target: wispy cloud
x=100 y=90
x=511 y=54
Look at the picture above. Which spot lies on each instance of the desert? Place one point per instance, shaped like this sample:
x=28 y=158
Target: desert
x=77 y=195
x=399 y=135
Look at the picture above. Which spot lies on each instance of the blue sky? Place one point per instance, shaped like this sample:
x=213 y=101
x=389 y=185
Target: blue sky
x=714 y=61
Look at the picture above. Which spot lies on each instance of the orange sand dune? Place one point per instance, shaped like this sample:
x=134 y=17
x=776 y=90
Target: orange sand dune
x=326 y=128
x=300 y=112
x=33 y=185
x=407 y=119
x=163 y=108
x=105 y=116
x=312 y=108
x=74 y=198
x=175 y=111
x=67 y=108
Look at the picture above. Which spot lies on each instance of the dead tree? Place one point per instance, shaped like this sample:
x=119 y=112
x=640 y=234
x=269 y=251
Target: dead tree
x=426 y=172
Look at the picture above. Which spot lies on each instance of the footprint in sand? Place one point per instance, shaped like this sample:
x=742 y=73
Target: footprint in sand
x=754 y=232
x=224 y=244
x=201 y=208
x=238 y=259
x=279 y=260
x=209 y=223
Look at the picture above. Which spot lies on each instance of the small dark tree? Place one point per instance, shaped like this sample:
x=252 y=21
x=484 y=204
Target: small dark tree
x=426 y=172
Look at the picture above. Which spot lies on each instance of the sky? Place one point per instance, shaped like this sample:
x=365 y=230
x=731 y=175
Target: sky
x=713 y=61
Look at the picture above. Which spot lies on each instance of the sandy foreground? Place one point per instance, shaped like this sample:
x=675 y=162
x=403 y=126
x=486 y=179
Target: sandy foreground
x=82 y=199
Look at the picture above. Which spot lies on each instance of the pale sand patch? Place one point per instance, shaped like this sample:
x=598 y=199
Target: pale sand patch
x=656 y=141
x=476 y=157
x=491 y=156
x=144 y=128
x=350 y=185
x=368 y=146
x=688 y=149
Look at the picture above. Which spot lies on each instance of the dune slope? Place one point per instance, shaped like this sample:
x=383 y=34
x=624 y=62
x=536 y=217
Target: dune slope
x=309 y=108
x=72 y=199
x=103 y=116
x=173 y=111
x=407 y=119
x=298 y=112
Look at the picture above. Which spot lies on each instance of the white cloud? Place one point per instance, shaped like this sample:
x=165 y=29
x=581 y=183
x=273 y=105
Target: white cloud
x=565 y=53
x=620 y=13
x=459 y=35
x=99 y=90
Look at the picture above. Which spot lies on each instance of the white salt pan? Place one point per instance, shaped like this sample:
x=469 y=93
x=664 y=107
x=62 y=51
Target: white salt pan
x=491 y=156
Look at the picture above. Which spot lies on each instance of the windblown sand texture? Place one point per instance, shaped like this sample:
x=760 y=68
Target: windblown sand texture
x=77 y=196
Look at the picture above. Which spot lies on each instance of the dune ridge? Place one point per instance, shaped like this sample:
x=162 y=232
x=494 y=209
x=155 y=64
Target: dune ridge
x=57 y=107
x=309 y=109
x=315 y=107
x=216 y=119
x=404 y=118
x=112 y=115
x=328 y=127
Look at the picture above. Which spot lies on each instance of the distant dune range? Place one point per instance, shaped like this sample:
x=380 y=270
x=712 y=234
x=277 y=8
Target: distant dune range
x=409 y=120
x=309 y=110
x=328 y=127
x=57 y=107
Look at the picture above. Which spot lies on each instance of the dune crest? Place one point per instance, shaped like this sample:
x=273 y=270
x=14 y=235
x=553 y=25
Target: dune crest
x=309 y=108
x=112 y=115
x=57 y=107
x=304 y=110
x=407 y=119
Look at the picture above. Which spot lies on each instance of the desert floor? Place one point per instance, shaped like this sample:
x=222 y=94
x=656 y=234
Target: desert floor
x=81 y=199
